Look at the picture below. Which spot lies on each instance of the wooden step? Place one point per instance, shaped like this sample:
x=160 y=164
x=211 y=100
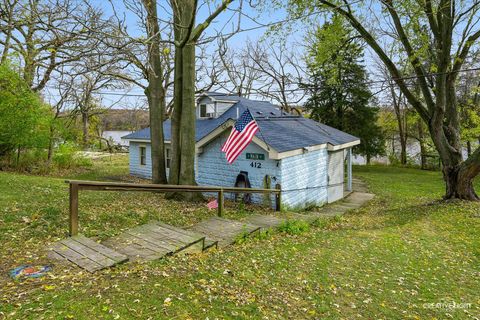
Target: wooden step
x=86 y=253
x=208 y=243
x=154 y=240
x=224 y=231
x=265 y=221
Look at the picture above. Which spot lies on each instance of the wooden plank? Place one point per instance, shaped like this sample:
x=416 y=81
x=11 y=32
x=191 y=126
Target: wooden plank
x=176 y=240
x=184 y=238
x=233 y=223
x=180 y=230
x=96 y=185
x=207 y=242
x=76 y=257
x=88 y=252
x=223 y=230
x=210 y=243
x=115 y=256
x=53 y=255
x=150 y=240
x=265 y=221
x=130 y=248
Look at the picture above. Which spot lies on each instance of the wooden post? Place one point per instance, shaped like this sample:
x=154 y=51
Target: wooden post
x=278 y=198
x=73 y=221
x=220 y=202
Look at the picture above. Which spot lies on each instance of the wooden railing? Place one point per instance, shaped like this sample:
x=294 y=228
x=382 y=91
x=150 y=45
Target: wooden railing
x=77 y=185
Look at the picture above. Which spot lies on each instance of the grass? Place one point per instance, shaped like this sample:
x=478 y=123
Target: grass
x=392 y=259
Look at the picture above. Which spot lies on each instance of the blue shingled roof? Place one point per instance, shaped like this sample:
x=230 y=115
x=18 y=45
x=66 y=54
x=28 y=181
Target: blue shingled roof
x=282 y=131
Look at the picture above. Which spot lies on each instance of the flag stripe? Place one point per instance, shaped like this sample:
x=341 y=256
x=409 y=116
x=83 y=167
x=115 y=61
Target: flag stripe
x=232 y=135
x=241 y=135
x=239 y=150
x=242 y=143
x=225 y=145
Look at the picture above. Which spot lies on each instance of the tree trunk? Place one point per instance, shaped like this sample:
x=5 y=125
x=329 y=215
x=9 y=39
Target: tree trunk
x=423 y=149
x=155 y=95
x=182 y=170
x=459 y=183
x=85 y=129
x=401 y=126
x=469 y=148
x=186 y=35
x=50 y=144
x=458 y=174
x=19 y=150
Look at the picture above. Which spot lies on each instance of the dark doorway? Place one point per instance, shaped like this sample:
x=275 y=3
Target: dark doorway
x=242 y=181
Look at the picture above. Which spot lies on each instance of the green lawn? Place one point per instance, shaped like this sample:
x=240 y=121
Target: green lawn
x=389 y=260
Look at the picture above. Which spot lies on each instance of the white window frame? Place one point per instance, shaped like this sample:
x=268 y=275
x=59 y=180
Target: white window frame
x=168 y=157
x=208 y=107
x=143 y=156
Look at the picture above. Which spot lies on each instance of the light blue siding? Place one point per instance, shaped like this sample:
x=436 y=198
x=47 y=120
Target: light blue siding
x=304 y=179
x=136 y=169
x=213 y=168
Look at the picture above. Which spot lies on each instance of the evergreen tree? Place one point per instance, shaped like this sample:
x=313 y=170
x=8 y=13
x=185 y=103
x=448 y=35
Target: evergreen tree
x=339 y=95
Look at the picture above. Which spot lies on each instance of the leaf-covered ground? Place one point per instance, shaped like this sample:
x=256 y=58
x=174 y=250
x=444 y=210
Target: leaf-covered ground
x=403 y=256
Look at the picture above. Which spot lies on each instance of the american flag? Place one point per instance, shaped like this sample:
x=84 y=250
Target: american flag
x=212 y=204
x=241 y=135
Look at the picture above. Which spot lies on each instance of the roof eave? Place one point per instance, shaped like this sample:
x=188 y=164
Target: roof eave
x=350 y=144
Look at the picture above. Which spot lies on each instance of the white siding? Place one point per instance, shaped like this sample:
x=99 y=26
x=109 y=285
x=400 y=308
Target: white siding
x=304 y=179
x=335 y=175
x=219 y=107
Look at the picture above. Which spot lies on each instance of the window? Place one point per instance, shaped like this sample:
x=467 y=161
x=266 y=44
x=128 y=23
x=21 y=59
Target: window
x=203 y=111
x=143 y=156
x=207 y=111
x=168 y=157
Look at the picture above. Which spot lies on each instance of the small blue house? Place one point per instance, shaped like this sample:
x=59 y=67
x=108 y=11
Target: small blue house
x=306 y=159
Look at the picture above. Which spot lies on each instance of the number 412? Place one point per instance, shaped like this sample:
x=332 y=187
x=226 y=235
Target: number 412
x=256 y=165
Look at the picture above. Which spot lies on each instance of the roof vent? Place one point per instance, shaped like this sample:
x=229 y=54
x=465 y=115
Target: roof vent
x=272 y=113
x=259 y=112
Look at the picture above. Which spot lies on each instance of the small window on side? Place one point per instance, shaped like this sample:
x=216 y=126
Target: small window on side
x=207 y=110
x=143 y=156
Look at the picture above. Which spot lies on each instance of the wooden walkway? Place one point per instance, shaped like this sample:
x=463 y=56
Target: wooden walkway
x=86 y=253
x=156 y=240
x=225 y=231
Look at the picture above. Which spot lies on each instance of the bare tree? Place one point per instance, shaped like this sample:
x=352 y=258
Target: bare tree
x=86 y=102
x=281 y=71
x=239 y=68
x=147 y=63
x=46 y=35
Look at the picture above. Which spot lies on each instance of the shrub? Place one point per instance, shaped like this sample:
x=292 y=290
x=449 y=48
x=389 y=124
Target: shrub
x=25 y=119
x=294 y=227
x=67 y=157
